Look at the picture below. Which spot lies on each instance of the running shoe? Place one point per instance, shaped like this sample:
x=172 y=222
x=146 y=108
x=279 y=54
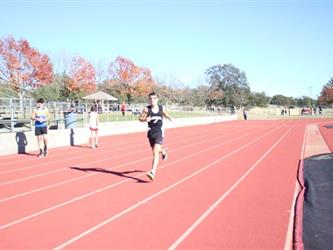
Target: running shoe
x=165 y=155
x=40 y=153
x=151 y=176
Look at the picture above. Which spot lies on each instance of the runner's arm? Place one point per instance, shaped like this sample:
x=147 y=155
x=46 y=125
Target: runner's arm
x=143 y=117
x=33 y=116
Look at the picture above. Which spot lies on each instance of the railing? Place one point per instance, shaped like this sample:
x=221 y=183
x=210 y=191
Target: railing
x=11 y=124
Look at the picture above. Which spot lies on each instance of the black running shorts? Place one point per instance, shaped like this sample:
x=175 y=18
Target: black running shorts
x=155 y=139
x=40 y=130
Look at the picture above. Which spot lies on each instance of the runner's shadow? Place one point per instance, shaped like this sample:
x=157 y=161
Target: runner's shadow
x=22 y=142
x=31 y=154
x=82 y=146
x=121 y=174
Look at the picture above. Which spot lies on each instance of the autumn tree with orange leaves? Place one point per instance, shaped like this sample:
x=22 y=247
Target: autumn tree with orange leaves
x=80 y=79
x=326 y=96
x=129 y=80
x=23 y=67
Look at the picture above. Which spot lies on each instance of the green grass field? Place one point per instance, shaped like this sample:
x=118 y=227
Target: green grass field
x=116 y=116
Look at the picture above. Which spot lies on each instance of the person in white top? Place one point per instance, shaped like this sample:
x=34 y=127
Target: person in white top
x=93 y=126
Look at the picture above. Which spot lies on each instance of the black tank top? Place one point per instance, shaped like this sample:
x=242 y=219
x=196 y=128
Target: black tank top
x=156 y=121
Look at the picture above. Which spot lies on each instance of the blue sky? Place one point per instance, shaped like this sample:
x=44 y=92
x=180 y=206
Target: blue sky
x=284 y=47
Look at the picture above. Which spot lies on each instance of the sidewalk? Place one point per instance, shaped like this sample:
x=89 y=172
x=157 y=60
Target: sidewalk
x=314 y=142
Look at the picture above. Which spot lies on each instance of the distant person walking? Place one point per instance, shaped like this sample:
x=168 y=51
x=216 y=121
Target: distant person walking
x=93 y=126
x=123 y=108
x=40 y=115
x=245 y=113
x=320 y=110
x=153 y=114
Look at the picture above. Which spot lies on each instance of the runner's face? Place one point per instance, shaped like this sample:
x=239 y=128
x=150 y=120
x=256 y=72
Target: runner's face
x=153 y=100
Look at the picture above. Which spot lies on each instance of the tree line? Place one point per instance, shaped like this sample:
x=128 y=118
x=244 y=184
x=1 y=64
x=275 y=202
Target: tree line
x=26 y=71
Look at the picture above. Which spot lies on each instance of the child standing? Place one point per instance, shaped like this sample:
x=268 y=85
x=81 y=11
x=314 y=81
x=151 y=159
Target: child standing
x=93 y=126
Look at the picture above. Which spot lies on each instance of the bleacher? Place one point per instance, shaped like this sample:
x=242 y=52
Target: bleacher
x=15 y=114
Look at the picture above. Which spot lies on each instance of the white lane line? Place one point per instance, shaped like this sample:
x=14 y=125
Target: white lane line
x=121 y=182
x=140 y=203
x=289 y=236
x=57 y=153
x=92 y=174
x=90 y=153
x=218 y=201
x=292 y=219
x=63 y=152
x=94 y=153
x=65 y=169
x=91 y=162
x=107 y=145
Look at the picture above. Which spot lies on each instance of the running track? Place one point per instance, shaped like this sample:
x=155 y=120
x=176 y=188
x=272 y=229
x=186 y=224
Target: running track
x=227 y=185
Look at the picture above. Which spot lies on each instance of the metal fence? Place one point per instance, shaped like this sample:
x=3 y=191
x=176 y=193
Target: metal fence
x=15 y=113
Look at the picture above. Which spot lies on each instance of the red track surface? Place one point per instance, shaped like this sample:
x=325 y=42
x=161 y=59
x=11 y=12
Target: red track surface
x=224 y=186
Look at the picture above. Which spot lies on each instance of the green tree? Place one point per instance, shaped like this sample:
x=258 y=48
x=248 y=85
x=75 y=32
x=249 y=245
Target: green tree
x=200 y=95
x=282 y=100
x=305 y=101
x=49 y=92
x=258 y=99
x=228 y=85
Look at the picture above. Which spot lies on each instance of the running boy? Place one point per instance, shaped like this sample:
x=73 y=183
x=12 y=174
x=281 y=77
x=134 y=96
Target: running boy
x=40 y=115
x=153 y=114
